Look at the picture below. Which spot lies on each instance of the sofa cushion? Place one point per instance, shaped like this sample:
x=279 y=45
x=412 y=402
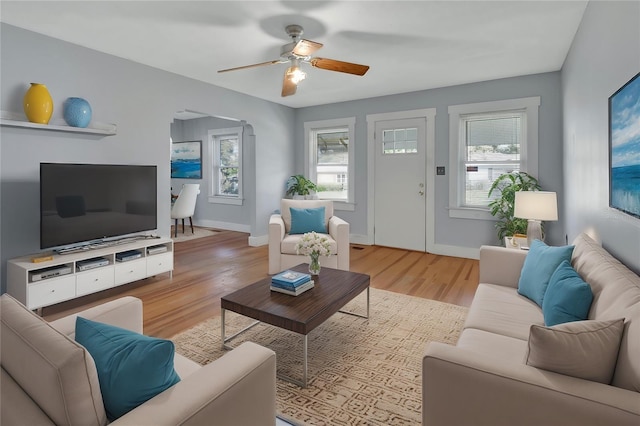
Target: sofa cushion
x=494 y=346
x=582 y=349
x=614 y=286
x=288 y=244
x=568 y=297
x=184 y=366
x=132 y=368
x=616 y=294
x=627 y=374
x=57 y=373
x=540 y=263
x=502 y=310
x=17 y=407
x=307 y=220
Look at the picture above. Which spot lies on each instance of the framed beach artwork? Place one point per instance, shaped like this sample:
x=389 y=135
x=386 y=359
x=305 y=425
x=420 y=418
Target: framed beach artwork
x=186 y=160
x=624 y=148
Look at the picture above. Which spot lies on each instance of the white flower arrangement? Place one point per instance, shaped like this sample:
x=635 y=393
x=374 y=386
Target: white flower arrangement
x=313 y=243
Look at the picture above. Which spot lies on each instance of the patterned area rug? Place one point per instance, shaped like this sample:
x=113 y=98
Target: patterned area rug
x=187 y=235
x=361 y=372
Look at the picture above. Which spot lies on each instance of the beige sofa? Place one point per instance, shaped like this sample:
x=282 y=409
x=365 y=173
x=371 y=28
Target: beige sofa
x=282 y=245
x=49 y=379
x=484 y=379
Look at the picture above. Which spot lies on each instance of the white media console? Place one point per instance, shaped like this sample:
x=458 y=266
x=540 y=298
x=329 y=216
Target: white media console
x=83 y=272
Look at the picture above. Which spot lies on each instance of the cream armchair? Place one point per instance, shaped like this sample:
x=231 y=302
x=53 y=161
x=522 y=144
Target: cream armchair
x=282 y=245
x=49 y=379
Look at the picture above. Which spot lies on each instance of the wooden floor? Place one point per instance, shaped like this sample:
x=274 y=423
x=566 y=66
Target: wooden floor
x=207 y=268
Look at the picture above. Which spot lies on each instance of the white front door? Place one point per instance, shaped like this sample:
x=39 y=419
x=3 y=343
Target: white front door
x=400 y=184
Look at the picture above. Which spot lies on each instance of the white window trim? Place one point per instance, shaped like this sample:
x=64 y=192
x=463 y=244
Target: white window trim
x=213 y=158
x=310 y=156
x=528 y=150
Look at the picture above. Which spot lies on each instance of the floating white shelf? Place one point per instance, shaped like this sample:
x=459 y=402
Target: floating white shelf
x=11 y=119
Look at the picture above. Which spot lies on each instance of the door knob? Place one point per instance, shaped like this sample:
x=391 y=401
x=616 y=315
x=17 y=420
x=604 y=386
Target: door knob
x=421 y=192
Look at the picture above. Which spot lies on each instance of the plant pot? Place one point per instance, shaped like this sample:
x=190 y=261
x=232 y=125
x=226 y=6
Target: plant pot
x=516 y=241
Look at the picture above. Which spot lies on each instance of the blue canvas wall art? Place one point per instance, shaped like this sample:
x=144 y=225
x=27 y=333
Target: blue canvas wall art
x=186 y=160
x=624 y=148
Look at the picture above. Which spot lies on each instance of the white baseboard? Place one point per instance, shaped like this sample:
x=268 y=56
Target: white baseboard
x=442 y=249
x=456 y=251
x=238 y=227
x=360 y=239
x=262 y=240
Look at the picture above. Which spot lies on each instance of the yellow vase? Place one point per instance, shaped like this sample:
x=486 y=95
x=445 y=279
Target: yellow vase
x=38 y=104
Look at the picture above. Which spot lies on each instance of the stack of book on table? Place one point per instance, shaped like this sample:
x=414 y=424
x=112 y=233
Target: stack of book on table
x=291 y=282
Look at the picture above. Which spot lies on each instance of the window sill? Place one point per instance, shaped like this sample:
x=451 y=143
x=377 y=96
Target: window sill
x=344 y=206
x=226 y=200
x=470 y=213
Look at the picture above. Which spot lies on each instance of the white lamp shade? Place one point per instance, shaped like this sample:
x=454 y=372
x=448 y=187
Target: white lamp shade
x=537 y=205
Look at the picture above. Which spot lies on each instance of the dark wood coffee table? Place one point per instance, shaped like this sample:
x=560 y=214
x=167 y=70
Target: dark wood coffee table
x=300 y=314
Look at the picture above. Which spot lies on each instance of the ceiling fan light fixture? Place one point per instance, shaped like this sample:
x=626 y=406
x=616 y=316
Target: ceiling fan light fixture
x=295 y=74
x=299 y=51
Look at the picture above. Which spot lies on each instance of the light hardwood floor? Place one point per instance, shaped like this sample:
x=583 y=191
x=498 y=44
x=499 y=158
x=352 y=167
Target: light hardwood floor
x=207 y=268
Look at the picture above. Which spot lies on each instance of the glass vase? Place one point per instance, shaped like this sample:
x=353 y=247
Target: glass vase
x=314 y=264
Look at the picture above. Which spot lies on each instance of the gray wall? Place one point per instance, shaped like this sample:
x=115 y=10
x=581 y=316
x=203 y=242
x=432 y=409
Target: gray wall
x=142 y=102
x=452 y=231
x=605 y=54
x=223 y=216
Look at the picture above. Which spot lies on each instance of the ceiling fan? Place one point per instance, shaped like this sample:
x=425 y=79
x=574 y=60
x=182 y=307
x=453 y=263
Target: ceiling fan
x=299 y=51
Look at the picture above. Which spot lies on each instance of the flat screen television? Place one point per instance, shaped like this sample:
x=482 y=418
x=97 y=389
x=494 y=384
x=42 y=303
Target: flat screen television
x=83 y=203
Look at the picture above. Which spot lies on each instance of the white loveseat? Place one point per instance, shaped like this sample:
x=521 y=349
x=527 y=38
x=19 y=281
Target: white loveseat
x=282 y=244
x=49 y=379
x=484 y=379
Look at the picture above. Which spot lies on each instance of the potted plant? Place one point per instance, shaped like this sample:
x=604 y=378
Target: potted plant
x=300 y=187
x=505 y=187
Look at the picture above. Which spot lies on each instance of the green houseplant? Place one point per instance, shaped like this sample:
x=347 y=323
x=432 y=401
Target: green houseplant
x=505 y=187
x=300 y=185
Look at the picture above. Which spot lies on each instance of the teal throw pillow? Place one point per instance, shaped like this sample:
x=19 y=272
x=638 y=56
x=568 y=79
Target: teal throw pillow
x=307 y=220
x=568 y=297
x=132 y=368
x=540 y=263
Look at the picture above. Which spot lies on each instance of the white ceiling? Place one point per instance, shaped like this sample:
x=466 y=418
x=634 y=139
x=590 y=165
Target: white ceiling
x=409 y=45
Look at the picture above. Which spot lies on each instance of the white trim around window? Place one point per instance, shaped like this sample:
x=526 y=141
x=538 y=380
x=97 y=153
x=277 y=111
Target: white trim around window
x=214 y=138
x=311 y=154
x=458 y=115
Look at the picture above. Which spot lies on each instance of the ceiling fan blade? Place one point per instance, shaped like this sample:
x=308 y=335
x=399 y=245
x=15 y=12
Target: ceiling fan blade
x=306 y=47
x=277 y=61
x=288 y=86
x=340 y=66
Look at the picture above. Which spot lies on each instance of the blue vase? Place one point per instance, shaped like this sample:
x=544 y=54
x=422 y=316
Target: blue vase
x=77 y=112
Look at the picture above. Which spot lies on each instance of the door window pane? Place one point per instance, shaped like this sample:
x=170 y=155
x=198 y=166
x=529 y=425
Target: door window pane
x=400 y=141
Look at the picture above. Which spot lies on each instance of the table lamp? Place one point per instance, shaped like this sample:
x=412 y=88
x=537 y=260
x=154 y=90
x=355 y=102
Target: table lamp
x=535 y=206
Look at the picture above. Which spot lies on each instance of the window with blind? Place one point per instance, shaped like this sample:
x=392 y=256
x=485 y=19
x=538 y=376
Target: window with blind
x=330 y=156
x=492 y=148
x=487 y=140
